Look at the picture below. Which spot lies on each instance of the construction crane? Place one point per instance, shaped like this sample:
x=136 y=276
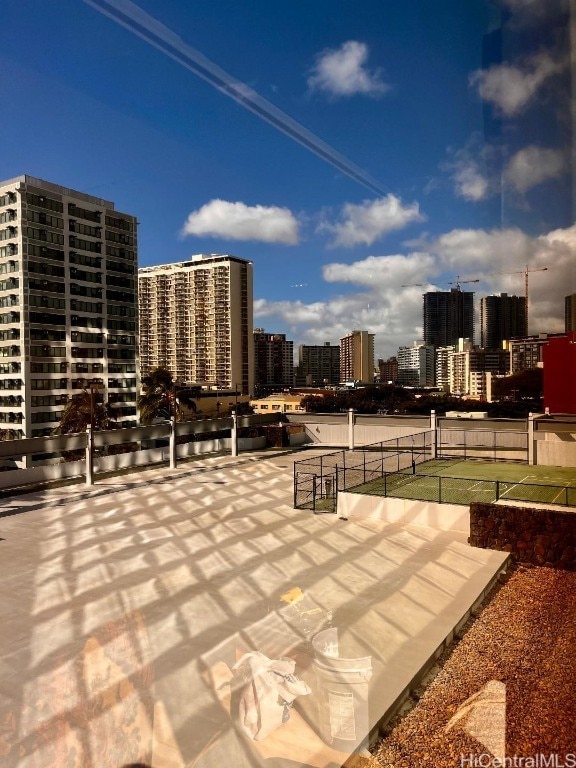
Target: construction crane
x=459 y=282
x=456 y=282
x=526 y=271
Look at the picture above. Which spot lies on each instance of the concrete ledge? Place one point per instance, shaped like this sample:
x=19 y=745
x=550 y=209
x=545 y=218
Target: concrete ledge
x=443 y=517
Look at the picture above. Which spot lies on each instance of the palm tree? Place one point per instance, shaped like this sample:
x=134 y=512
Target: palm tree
x=161 y=398
x=82 y=409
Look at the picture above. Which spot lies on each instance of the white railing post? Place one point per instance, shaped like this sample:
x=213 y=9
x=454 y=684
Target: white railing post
x=531 y=445
x=351 y=429
x=234 y=434
x=89 y=456
x=433 y=447
x=172 y=444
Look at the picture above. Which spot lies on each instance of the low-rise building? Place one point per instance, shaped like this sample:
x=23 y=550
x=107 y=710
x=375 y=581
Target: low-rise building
x=280 y=402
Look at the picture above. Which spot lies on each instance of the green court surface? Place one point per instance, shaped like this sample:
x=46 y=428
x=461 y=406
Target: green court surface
x=461 y=482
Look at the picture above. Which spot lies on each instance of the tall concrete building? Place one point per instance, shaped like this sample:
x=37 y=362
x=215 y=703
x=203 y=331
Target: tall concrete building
x=388 y=370
x=416 y=365
x=528 y=352
x=471 y=368
x=442 y=366
x=273 y=360
x=318 y=365
x=501 y=317
x=357 y=357
x=68 y=318
x=196 y=320
x=570 y=313
x=448 y=316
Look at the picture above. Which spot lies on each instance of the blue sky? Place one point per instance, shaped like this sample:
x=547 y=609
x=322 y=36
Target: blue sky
x=455 y=114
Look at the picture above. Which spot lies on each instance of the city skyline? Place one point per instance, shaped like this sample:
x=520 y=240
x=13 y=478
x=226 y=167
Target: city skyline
x=454 y=117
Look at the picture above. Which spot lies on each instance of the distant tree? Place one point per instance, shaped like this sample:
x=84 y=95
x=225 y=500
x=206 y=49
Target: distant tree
x=244 y=409
x=82 y=409
x=521 y=385
x=161 y=398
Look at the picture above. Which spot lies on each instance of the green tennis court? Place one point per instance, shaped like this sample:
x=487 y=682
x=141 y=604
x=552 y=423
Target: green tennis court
x=461 y=482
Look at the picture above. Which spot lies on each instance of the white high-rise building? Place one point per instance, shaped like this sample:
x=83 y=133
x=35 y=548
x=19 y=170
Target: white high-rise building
x=68 y=319
x=196 y=319
x=416 y=365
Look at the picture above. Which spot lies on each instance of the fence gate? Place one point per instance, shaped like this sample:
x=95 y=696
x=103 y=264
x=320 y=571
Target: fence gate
x=315 y=491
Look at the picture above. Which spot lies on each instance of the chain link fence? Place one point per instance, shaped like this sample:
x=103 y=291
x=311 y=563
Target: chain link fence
x=318 y=479
x=486 y=444
x=409 y=484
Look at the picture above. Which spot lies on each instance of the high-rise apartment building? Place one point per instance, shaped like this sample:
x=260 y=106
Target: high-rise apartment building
x=318 y=365
x=528 y=352
x=570 y=313
x=68 y=319
x=442 y=366
x=471 y=367
x=448 y=316
x=416 y=365
x=388 y=370
x=501 y=317
x=357 y=357
x=273 y=360
x=196 y=320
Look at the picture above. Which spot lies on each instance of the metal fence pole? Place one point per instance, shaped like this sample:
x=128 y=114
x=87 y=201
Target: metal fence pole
x=385 y=489
x=294 y=486
x=497 y=489
x=364 y=457
x=89 y=456
x=439 y=489
x=315 y=477
x=172 y=443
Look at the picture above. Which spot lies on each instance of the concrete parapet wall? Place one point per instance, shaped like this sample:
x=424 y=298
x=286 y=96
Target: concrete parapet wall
x=556 y=450
x=443 y=517
x=364 y=434
x=531 y=535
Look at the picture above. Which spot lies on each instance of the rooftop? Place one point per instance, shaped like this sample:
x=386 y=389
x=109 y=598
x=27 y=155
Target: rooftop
x=122 y=601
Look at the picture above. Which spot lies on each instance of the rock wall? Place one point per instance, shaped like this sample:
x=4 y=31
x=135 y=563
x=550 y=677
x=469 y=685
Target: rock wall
x=531 y=535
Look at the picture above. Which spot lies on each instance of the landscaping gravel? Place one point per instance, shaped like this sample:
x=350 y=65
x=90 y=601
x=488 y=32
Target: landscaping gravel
x=525 y=638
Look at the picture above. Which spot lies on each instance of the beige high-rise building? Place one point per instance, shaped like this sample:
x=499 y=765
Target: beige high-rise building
x=68 y=320
x=357 y=357
x=196 y=319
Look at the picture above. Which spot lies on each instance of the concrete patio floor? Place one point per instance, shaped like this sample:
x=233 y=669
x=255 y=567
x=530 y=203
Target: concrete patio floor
x=123 y=605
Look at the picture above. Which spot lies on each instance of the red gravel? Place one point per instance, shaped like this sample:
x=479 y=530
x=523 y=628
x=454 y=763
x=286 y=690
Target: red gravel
x=526 y=638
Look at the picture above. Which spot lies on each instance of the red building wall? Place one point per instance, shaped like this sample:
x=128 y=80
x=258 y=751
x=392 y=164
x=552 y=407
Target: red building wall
x=559 y=356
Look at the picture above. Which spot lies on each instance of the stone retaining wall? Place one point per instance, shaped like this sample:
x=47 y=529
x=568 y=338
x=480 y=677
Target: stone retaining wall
x=531 y=535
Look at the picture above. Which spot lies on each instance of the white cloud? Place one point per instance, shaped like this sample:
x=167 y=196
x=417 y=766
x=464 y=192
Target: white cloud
x=532 y=166
x=394 y=314
x=342 y=72
x=482 y=251
x=238 y=221
x=469 y=181
x=395 y=271
x=371 y=220
x=473 y=169
x=511 y=87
